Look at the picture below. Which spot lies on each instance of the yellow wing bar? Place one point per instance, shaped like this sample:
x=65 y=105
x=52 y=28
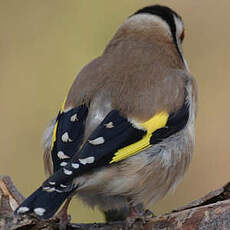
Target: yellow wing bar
x=56 y=125
x=156 y=122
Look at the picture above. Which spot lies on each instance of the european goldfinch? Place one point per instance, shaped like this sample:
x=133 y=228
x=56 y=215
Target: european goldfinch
x=125 y=133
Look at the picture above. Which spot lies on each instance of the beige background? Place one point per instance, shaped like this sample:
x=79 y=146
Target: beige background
x=45 y=43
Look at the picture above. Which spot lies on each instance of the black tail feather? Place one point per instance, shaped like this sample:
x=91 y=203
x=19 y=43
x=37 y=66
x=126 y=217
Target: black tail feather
x=43 y=203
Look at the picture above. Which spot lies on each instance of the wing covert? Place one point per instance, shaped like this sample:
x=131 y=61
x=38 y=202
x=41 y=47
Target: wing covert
x=114 y=133
x=67 y=135
x=116 y=139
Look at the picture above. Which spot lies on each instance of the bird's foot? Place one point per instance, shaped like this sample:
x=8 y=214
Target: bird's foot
x=62 y=217
x=63 y=220
x=145 y=217
x=136 y=215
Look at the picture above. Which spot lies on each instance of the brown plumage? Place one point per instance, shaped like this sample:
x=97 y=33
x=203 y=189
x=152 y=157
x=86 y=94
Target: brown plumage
x=141 y=72
x=121 y=81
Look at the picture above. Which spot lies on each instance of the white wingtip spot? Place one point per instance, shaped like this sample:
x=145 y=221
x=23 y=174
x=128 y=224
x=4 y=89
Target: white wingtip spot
x=48 y=189
x=109 y=125
x=75 y=165
x=63 y=164
x=39 y=211
x=67 y=172
x=63 y=186
x=62 y=155
x=74 y=118
x=88 y=160
x=97 y=141
x=52 y=182
x=65 y=137
x=23 y=210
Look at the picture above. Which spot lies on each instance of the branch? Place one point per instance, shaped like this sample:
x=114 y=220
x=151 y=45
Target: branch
x=210 y=212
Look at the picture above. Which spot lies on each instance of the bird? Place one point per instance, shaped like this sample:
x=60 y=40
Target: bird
x=124 y=136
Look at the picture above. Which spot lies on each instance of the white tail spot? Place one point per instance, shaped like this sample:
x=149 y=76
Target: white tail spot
x=23 y=210
x=75 y=165
x=63 y=164
x=67 y=172
x=39 y=211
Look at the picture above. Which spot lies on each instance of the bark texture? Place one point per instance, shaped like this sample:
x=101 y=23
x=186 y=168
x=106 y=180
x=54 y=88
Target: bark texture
x=210 y=212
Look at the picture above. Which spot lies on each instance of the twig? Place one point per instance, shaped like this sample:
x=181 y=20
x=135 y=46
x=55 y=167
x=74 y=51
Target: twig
x=210 y=212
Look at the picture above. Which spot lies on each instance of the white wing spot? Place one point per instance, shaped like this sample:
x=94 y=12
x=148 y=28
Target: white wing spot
x=136 y=124
x=23 y=210
x=63 y=186
x=52 y=182
x=74 y=118
x=75 y=165
x=88 y=160
x=39 y=211
x=97 y=141
x=65 y=137
x=67 y=172
x=48 y=189
x=109 y=125
x=62 y=155
x=63 y=164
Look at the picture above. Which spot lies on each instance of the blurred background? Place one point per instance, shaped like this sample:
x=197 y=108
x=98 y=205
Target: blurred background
x=45 y=43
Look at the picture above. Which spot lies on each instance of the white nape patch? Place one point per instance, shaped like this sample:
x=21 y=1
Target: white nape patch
x=179 y=31
x=97 y=141
x=67 y=172
x=63 y=186
x=63 y=164
x=62 y=155
x=88 y=160
x=136 y=124
x=65 y=137
x=185 y=63
x=109 y=125
x=23 y=210
x=144 y=21
x=179 y=26
x=52 y=182
x=39 y=211
x=75 y=165
x=74 y=118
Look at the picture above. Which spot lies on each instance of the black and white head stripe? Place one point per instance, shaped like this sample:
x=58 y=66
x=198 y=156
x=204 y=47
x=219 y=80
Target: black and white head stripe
x=173 y=20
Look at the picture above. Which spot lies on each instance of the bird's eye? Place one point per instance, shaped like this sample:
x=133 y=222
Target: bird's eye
x=182 y=36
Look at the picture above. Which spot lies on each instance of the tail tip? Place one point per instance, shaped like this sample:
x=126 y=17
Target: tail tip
x=40 y=212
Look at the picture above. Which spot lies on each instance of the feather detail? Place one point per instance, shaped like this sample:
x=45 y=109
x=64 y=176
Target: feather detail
x=157 y=122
